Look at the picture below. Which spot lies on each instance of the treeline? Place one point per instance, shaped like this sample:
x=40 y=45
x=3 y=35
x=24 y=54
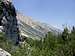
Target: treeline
x=61 y=45
x=50 y=45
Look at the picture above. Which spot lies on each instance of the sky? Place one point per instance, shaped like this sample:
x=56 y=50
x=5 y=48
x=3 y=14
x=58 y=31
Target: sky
x=53 y=12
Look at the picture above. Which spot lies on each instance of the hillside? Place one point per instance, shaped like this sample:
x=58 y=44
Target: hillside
x=49 y=46
x=31 y=28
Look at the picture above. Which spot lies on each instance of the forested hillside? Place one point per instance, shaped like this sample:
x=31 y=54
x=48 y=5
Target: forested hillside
x=61 y=45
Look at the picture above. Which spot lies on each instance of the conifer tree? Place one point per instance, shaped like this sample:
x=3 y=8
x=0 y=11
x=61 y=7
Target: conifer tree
x=73 y=30
x=65 y=34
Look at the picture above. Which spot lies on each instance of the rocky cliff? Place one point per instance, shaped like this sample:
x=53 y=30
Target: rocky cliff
x=34 y=29
x=9 y=21
x=27 y=26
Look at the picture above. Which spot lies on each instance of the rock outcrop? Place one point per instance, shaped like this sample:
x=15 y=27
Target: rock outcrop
x=9 y=22
x=4 y=53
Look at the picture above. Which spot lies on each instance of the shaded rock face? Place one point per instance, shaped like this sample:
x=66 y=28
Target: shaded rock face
x=9 y=22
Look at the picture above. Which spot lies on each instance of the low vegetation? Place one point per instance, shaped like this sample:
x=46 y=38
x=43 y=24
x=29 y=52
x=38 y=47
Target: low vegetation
x=61 y=45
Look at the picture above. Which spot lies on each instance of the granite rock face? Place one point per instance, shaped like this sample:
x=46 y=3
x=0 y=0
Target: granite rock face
x=9 y=21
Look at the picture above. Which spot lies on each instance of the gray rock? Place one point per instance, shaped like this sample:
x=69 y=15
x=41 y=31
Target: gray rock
x=4 y=53
x=9 y=22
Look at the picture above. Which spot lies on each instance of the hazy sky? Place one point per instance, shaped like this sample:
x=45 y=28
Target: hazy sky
x=53 y=12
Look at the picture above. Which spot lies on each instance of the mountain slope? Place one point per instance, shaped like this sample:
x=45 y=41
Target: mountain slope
x=33 y=29
x=30 y=28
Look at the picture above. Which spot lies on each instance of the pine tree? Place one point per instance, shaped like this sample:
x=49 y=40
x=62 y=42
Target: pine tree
x=73 y=30
x=72 y=36
x=65 y=34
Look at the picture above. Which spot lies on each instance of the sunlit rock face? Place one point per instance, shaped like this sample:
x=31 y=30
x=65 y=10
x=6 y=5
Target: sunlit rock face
x=9 y=22
x=4 y=53
x=34 y=29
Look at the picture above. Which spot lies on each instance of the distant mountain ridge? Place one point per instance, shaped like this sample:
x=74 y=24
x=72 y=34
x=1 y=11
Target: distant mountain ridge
x=31 y=28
